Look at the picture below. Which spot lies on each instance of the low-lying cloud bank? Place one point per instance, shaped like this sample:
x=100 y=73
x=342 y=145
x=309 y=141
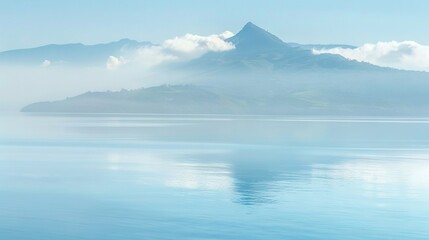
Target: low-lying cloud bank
x=49 y=81
x=406 y=55
x=180 y=48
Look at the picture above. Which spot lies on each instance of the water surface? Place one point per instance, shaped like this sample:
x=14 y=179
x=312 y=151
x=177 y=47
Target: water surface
x=125 y=176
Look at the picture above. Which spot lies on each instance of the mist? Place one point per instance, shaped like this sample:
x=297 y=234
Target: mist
x=54 y=72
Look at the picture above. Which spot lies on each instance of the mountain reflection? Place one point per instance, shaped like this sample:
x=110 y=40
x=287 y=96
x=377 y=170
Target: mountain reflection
x=253 y=174
x=259 y=173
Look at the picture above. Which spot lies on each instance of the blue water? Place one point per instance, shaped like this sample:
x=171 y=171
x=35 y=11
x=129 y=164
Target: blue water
x=124 y=177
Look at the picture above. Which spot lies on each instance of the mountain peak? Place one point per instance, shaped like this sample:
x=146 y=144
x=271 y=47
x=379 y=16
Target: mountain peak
x=256 y=38
x=250 y=25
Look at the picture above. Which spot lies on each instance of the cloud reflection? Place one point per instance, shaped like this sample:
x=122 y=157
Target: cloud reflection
x=175 y=169
x=398 y=169
x=262 y=175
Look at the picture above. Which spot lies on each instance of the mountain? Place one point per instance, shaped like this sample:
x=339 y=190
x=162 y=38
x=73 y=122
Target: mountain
x=70 y=54
x=320 y=46
x=256 y=48
x=252 y=38
x=256 y=38
x=264 y=75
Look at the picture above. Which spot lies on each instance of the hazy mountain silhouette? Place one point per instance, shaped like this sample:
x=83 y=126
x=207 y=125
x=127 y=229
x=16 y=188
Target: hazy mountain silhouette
x=264 y=75
x=252 y=38
x=257 y=48
x=74 y=54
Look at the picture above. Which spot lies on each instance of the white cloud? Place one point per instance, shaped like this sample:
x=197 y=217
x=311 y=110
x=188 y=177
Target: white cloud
x=114 y=62
x=407 y=55
x=46 y=63
x=196 y=45
x=180 y=48
x=151 y=56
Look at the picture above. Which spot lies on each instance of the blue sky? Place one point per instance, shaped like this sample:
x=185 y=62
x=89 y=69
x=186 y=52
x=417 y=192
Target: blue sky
x=28 y=23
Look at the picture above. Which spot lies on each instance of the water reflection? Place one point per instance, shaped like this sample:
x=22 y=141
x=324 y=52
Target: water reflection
x=402 y=169
x=258 y=174
x=173 y=168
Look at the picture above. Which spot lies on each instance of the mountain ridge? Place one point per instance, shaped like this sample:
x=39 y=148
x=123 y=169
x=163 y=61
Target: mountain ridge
x=250 y=39
x=256 y=47
x=254 y=37
x=70 y=53
x=279 y=79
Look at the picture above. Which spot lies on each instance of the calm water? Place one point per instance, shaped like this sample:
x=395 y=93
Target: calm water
x=213 y=177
